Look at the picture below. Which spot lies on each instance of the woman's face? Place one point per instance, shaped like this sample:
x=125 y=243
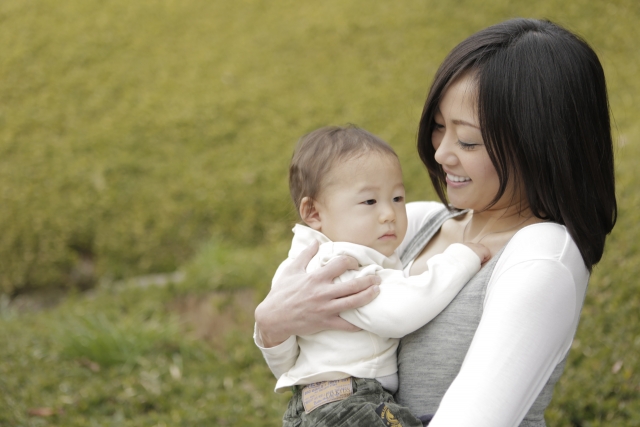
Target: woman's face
x=472 y=180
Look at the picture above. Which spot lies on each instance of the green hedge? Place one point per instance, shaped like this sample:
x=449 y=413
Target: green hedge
x=131 y=132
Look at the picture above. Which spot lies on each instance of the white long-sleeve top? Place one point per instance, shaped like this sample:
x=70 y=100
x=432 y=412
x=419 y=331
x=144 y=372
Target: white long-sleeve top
x=530 y=315
x=403 y=305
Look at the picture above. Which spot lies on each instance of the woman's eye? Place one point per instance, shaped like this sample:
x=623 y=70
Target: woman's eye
x=437 y=126
x=370 y=202
x=398 y=199
x=466 y=145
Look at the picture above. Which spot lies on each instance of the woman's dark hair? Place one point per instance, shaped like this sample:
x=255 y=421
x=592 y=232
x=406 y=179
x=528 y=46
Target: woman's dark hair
x=544 y=115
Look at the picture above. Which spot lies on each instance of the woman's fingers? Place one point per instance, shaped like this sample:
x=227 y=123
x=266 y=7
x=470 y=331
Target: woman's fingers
x=299 y=265
x=335 y=268
x=354 y=293
x=353 y=287
x=303 y=304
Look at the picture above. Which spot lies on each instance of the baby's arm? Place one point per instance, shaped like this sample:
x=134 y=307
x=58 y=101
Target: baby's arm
x=406 y=303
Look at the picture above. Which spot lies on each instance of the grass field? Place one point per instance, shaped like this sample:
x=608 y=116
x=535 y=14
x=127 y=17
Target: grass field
x=149 y=137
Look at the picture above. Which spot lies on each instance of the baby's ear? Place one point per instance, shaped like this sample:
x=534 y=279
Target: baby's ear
x=309 y=213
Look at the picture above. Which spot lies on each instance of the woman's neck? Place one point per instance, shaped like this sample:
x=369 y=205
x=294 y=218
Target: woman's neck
x=496 y=224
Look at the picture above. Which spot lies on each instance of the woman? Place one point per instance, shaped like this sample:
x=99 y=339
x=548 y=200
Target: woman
x=516 y=136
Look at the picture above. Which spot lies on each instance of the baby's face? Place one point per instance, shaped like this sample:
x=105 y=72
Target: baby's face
x=362 y=201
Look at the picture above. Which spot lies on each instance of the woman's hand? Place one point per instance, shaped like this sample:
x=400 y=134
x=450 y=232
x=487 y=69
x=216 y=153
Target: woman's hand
x=301 y=304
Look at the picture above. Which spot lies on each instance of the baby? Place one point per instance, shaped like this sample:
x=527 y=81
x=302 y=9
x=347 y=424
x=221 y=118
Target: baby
x=347 y=187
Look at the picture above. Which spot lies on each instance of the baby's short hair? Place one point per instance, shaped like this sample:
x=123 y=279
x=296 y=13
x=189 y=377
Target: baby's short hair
x=318 y=151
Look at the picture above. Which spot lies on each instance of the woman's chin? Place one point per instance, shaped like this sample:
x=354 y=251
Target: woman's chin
x=457 y=203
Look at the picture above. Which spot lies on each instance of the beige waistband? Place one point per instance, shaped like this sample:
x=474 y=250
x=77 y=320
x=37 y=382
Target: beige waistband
x=323 y=392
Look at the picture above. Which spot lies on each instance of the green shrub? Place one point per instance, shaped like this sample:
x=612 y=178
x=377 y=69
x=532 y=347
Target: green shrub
x=222 y=266
x=134 y=131
x=97 y=339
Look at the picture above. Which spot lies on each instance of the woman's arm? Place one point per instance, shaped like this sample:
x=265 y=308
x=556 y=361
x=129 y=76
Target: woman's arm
x=526 y=329
x=301 y=304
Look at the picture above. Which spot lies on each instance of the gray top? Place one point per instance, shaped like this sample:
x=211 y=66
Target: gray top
x=430 y=358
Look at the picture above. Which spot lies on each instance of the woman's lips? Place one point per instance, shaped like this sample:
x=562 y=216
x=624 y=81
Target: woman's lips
x=456 y=180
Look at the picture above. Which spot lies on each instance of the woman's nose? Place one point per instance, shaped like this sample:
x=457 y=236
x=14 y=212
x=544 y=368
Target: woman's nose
x=444 y=155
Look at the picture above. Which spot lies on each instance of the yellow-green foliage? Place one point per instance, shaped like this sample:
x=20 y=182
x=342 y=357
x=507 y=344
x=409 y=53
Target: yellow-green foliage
x=132 y=131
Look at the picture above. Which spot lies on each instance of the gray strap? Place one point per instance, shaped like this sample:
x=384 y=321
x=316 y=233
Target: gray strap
x=426 y=232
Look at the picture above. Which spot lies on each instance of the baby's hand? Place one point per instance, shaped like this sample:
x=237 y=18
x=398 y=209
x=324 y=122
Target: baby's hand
x=481 y=250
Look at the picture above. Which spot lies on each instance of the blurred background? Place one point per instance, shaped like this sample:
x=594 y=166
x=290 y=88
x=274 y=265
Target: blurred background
x=144 y=149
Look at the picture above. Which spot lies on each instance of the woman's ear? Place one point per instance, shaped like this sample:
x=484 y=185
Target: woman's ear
x=309 y=213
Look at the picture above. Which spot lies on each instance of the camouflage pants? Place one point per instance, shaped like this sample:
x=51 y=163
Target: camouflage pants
x=370 y=405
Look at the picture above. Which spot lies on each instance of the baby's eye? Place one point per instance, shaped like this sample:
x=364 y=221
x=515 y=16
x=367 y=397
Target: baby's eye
x=398 y=199
x=370 y=202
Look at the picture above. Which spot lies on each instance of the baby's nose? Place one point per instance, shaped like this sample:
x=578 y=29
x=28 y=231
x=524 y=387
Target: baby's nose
x=387 y=214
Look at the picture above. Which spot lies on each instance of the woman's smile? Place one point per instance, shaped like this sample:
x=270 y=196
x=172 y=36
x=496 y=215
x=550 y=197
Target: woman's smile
x=455 y=180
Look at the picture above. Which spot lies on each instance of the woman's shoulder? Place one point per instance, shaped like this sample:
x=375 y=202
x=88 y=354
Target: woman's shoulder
x=546 y=241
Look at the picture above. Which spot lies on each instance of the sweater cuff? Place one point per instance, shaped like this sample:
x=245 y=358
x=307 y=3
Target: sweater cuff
x=465 y=256
x=283 y=347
